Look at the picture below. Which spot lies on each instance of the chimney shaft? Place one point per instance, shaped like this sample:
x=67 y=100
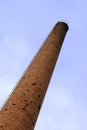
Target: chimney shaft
x=22 y=108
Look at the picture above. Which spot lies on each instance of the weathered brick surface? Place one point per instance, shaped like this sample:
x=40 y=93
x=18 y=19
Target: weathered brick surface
x=22 y=108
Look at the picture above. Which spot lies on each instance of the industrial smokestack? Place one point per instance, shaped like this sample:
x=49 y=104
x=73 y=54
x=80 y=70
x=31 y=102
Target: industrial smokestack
x=22 y=108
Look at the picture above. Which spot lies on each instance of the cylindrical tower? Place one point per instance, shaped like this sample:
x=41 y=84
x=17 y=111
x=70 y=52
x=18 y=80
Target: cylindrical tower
x=22 y=108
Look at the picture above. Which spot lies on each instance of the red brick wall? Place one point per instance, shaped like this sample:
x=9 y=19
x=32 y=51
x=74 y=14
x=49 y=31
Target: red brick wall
x=22 y=108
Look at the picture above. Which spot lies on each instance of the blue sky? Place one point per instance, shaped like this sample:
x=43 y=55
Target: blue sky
x=24 y=25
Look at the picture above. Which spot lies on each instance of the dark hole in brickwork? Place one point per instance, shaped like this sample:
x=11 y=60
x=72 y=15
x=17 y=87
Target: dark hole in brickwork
x=33 y=84
x=29 y=114
x=14 y=104
x=5 y=109
x=23 y=77
x=25 y=100
x=38 y=97
x=23 y=108
x=39 y=108
x=44 y=79
x=31 y=101
x=33 y=123
x=39 y=89
x=2 y=126
x=34 y=103
x=23 y=93
x=28 y=89
x=27 y=104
